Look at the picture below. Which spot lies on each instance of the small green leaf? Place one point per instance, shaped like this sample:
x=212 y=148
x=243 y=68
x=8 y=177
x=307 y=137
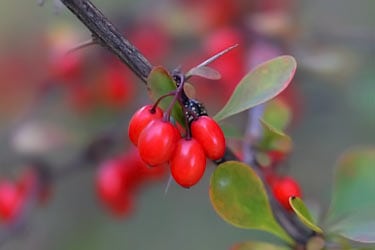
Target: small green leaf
x=260 y=85
x=274 y=131
x=238 y=196
x=274 y=139
x=160 y=83
x=351 y=210
x=303 y=214
x=205 y=72
x=278 y=114
x=256 y=245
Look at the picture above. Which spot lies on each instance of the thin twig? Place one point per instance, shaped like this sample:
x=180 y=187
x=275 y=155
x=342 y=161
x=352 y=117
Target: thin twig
x=108 y=36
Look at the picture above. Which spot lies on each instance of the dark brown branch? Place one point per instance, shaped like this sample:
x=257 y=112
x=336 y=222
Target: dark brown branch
x=108 y=36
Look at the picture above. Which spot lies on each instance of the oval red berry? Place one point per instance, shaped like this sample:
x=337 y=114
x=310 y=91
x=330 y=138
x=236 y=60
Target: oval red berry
x=209 y=134
x=157 y=142
x=109 y=182
x=10 y=201
x=140 y=120
x=188 y=162
x=284 y=188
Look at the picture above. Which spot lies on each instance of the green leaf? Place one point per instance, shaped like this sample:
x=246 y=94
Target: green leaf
x=357 y=227
x=238 y=196
x=278 y=114
x=274 y=131
x=353 y=202
x=260 y=85
x=274 y=139
x=303 y=214
x=256 y=245
x=205 y=72
x=160 y=83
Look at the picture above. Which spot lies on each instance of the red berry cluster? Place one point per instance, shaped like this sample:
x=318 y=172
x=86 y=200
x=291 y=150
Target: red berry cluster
x=88 y=85
x=118 y=179
x=160 y=142
x=14 y=194
x=111 y=87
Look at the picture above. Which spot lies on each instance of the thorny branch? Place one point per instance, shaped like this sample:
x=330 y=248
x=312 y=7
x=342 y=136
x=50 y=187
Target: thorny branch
x=104 y=33
x=110 y=37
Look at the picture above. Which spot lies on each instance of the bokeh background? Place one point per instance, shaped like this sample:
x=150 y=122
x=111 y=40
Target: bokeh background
x=333 y=97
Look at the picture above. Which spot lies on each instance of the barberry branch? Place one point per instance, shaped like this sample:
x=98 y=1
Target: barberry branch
x=108 y=36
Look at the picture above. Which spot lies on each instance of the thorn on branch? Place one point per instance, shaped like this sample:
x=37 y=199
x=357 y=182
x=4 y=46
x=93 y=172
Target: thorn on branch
x=85 y=44
x=210 y=60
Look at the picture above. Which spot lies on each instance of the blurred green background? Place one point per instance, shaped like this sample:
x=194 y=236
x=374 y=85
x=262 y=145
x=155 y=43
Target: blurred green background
x=333 y=43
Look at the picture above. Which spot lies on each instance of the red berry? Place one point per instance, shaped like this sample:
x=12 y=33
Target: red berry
x=223 y=38
x=152 y=40
x=10 y=201
x=284 y=188
x=276 y=157
x=67 y=67
x=122 y=207
x=114 y=186
x=109 y=182
x=118 y=87
x=209 y=134
x=140 y=120
x=232 y=65
x=157 y=142
x=143 y=171
x=188 y=162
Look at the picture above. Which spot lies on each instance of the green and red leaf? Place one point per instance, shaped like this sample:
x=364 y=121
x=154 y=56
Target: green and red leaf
x=238 y=196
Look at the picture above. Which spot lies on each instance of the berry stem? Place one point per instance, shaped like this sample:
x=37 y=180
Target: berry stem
x=153 y=109
x=188 y=130
x=180 y=80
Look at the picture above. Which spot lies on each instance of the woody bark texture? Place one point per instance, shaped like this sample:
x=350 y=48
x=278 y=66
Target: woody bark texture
x=108 y=36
